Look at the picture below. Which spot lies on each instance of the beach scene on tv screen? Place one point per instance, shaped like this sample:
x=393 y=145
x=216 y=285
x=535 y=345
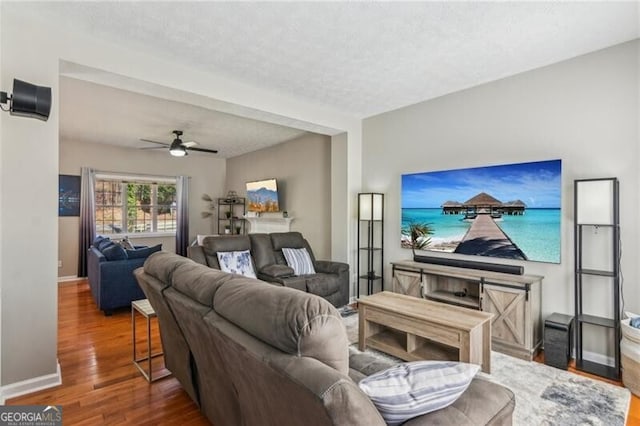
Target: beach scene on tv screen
x=507 y=211
x=263 y=196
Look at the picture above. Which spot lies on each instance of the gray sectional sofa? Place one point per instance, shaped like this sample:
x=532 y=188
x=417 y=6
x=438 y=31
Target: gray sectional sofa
x=250 y=353
x=331 y=280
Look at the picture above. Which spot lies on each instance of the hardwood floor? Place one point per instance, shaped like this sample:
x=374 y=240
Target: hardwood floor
x=100 y=384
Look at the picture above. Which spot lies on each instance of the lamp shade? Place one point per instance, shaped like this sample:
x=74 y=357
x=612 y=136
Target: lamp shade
x=370 y=206
x=594 y=201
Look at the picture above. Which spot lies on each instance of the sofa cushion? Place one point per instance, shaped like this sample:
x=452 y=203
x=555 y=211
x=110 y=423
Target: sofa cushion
x=280 y=240
x=199 y=282
x=98 y=239
x=104 y=244
x=299 y=260
x=323 y=284
x=114 y=252
x=236 y=262
x=162 y=265
x=144 y=252
x=214 y=244
x=295 y=322
x=411 y=389
x=262 y=250
x=483 y=403
x=277 y=271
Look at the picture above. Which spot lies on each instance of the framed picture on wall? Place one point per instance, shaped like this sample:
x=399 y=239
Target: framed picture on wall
x=68 y=195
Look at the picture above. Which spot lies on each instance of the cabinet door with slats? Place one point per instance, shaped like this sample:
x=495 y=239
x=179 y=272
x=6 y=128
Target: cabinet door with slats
x=408 y=283
x=510 y=325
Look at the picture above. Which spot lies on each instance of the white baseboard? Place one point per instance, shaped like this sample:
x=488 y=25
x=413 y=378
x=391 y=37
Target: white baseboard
x=31 y=385
x=67 y=278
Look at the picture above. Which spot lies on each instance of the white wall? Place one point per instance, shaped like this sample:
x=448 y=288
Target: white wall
x=583 y=111
x=339 y=197
x=29 y=169
x=302 y=168
x=207 y=175
x=29 y=172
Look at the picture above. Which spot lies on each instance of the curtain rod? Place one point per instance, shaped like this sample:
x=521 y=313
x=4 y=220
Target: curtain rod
x=143 y=176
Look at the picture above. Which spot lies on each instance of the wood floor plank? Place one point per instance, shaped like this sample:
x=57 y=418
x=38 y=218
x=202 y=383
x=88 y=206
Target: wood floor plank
x=100 y=384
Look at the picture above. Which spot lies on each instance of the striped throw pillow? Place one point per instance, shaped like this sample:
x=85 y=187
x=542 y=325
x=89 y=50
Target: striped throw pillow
x=411 y=389
x=299 y=260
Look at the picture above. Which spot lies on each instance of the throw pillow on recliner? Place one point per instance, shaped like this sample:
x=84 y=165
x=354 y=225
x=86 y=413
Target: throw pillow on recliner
x=236 y=262
x=299 y=260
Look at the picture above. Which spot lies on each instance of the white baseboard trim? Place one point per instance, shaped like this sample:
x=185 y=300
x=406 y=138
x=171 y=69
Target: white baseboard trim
x=31 y=385
x=599 y=358
x=67 y=278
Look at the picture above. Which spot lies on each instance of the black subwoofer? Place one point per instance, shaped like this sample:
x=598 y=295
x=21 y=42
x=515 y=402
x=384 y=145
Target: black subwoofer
x=557 y=340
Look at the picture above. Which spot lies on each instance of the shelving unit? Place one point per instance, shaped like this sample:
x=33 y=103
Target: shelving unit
x=230 y=213
x=370 y=242
x=596 y=206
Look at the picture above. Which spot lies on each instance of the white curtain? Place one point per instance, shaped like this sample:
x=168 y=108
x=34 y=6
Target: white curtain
x=87 y=217
x=182 y=213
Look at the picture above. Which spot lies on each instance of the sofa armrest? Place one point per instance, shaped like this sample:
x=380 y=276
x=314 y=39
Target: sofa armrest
x=196 y=253
x=276 y=271
x=98 y=254
x=329 y=267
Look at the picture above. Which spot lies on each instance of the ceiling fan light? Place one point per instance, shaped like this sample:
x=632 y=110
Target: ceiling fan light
x=176 y=149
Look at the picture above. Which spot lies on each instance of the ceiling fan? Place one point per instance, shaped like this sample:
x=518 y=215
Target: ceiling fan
x=179 y=148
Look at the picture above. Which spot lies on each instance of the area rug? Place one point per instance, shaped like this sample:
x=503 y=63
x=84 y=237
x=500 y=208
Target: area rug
x=544 y=395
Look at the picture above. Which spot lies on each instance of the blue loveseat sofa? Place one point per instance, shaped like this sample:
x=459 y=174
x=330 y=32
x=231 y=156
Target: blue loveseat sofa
x=110 y=269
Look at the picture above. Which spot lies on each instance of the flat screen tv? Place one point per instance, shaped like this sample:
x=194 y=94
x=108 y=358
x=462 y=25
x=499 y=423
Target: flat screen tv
x=262 y=196
x=507 y=211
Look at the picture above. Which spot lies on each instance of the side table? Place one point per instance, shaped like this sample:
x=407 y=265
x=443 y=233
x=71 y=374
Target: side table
x=144 y=308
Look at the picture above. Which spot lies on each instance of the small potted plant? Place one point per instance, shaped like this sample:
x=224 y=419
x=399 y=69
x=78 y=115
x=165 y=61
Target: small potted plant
x=418 y=235
x=238 y=228
x=227 y=229
x=228 y=214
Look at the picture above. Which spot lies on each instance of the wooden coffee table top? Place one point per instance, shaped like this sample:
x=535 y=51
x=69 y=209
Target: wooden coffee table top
x=426 y=310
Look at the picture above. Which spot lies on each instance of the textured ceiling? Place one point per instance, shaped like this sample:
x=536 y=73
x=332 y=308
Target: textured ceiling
x=361 y=58
x=358 y=58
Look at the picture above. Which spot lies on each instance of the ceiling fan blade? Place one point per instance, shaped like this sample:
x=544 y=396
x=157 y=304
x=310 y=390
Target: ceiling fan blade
x=212 y=151
x=159 y=143
x=152 y=147
x=189 y=144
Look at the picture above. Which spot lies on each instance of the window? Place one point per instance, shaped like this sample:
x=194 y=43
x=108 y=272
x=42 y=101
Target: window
x=135 y=206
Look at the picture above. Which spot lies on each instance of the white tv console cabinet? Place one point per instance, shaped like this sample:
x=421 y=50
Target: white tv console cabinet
x=516 y=327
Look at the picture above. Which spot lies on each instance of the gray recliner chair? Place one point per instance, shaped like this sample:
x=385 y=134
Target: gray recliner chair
x=331 y=280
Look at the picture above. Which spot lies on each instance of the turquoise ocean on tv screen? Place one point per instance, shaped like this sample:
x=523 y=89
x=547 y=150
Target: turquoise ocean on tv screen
x=536 y=233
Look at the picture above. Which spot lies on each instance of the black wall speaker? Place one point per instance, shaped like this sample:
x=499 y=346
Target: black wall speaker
x=459 y=263
x=29 y=100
